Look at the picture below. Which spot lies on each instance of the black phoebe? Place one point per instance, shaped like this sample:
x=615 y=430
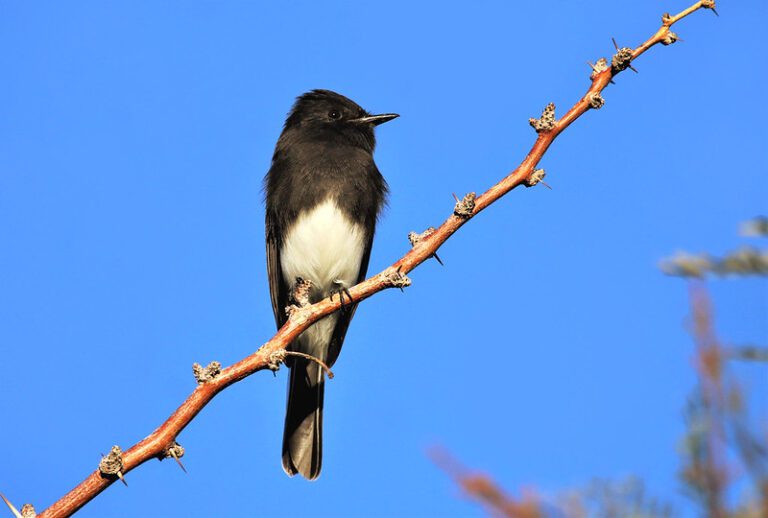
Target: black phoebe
x=323 y=194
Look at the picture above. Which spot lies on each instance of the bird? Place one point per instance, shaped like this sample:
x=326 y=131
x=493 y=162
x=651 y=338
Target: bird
x=323 y=195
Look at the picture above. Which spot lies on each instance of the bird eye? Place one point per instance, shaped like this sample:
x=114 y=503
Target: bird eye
x=334 y=114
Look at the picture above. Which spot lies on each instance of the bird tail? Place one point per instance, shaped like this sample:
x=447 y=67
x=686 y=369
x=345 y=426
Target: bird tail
x=303 y=432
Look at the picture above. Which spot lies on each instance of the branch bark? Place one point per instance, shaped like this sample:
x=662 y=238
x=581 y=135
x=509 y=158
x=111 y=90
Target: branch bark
x=160 y=442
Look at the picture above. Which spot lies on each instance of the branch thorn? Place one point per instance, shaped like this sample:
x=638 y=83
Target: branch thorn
x=15 y=511
x=178 y=461
x=176 y=451
x=709 y=4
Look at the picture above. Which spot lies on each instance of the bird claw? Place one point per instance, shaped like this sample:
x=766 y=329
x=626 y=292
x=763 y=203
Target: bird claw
x=342 y=291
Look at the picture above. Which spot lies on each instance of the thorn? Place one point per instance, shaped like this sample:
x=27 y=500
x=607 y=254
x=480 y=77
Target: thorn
x=715 y=11
x=178 y=461
x=122 y=478
x=592 y=66
x=456 y=197
x=545 y=184
x=15 y=511
x=612 y=81
x=397 y=279
x=633 y=69
x=615 y=44
x=438 y=259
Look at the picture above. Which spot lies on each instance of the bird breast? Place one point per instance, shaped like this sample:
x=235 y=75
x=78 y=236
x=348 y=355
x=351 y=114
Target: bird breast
x=324 y=246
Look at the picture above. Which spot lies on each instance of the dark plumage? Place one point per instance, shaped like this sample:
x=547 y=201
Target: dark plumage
x=323 y=196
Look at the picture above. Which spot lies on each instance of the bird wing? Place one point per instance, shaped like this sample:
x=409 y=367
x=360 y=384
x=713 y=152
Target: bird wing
x=277 y=290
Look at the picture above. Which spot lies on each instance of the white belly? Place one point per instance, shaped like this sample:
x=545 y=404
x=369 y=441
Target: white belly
x=325 y=247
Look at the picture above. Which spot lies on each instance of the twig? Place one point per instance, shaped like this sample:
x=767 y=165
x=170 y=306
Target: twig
x=154 y=445
x=318 y=361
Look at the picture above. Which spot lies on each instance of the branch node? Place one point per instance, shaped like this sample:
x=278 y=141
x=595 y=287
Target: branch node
x=669 y=38
x=301 y=290
x=600 y=66
x=275 y=359
x=112 y=465
x=547 y=121
x=206 y=374
x=415 y=239
x=622 y=60
x=666 y=19
x=537 y=176
x=299 y=296
x=396 y=279
x=466 y=206
x=596 y=101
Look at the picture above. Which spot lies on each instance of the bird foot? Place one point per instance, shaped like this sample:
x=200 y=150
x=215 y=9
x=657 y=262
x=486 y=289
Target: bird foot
x=342 y=291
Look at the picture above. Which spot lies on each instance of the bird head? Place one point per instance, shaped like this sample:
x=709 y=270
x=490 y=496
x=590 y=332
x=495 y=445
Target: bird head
x=324 y=114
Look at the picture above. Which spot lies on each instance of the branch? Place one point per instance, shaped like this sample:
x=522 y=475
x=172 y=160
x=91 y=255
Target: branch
x=159 y=443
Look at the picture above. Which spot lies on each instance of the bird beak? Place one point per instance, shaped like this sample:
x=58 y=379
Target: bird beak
x=375 y=120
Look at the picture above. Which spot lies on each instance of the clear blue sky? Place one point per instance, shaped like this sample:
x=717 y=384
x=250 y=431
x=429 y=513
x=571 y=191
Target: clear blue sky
x=549 y=350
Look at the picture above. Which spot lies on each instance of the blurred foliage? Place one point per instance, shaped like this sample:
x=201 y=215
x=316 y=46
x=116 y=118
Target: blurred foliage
x=744 y=261
x=724 y=456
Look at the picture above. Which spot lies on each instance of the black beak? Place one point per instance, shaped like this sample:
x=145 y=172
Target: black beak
x=375 y=120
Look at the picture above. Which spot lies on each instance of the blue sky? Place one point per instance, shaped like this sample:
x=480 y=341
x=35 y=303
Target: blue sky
x=549 y=350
